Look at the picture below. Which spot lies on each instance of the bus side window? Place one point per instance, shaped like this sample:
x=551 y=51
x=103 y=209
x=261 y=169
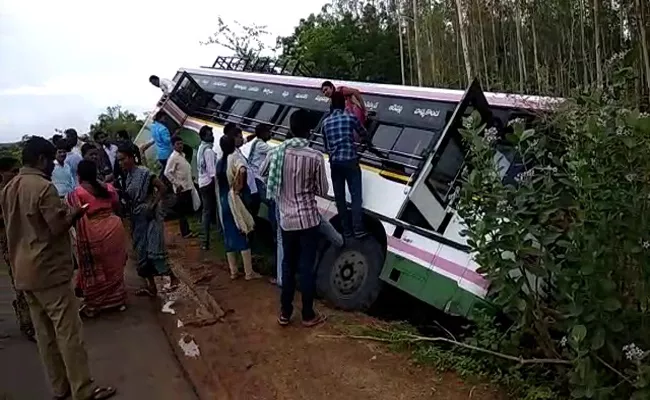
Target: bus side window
x=239 y=110
x=385 y=136
x=264 y=113
x=413 y=141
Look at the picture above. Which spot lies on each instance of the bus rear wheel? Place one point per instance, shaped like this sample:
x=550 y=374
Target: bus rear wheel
x=348 y=277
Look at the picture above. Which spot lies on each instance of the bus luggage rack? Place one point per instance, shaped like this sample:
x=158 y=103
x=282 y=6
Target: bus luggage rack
x=265 y=65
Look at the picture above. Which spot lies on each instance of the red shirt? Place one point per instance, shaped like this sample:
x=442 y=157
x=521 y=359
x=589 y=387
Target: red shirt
x=351 y=106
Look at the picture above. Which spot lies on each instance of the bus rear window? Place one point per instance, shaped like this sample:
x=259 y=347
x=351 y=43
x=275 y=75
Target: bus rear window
x=446 y=169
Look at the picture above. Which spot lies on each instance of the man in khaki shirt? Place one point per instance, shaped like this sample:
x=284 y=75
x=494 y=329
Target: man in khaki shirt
x=37 y=224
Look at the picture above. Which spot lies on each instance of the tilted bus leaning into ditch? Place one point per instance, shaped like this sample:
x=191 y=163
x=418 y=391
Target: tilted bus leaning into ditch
x=410 y=174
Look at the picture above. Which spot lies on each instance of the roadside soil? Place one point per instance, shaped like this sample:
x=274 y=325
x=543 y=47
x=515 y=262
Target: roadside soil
x=245 y=354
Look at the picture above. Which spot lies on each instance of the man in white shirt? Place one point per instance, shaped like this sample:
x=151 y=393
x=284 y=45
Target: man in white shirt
x=165 y=85
x=206 y=162
x=73 y=139
x=179 y=173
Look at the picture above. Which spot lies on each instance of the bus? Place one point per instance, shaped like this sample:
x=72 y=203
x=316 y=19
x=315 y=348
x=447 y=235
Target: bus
x=411 y=173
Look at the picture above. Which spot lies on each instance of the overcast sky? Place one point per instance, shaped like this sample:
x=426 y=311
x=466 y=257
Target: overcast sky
x=62 y=62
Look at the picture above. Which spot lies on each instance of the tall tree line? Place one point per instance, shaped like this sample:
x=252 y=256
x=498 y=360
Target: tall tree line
x=549 y=47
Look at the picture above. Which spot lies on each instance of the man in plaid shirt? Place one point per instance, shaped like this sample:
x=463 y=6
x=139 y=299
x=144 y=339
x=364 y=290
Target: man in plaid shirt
x=338 y=132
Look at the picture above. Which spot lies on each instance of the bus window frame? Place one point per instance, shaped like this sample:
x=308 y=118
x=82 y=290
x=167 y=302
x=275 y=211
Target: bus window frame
x=475 y=99
x=224 y=114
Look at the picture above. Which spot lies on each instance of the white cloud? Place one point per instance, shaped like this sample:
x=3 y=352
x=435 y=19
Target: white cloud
x=73 y=58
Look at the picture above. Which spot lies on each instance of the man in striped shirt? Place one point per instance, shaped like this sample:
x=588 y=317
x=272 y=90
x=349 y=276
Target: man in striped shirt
x=296 y=176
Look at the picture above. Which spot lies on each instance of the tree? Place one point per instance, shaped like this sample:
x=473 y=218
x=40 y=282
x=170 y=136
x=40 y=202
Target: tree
x=344 y=42
x=115 y=119
x=564 y=44
x=245 y=41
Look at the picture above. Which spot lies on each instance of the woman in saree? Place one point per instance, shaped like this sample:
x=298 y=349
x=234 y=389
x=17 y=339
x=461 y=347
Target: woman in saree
x=237 y=221
x=99 y=243
x=143 y=192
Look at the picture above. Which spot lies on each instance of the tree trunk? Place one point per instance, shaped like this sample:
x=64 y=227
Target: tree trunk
x=597 y=44
x=401 y=42
x=418 y=61
x=408 y=44
x=482 y=37
x=463 y=40
x=494 y=37
x=520 y=49
x=583 y=44
x=572 y=69
x=643 y=34
x=432 y=58
x=537 y=74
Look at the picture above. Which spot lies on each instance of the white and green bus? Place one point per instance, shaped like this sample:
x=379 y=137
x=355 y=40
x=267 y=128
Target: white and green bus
x=410 y=175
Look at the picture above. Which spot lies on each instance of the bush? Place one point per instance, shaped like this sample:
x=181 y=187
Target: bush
x=566 y=242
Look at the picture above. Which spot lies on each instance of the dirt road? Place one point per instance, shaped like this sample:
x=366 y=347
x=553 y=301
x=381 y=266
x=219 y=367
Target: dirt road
x=248 y=356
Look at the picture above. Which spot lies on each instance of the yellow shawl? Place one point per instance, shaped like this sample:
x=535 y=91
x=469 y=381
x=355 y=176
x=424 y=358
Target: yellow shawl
x=243 y=219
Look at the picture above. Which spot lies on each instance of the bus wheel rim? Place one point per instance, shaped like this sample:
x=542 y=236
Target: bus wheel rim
x=349 y=272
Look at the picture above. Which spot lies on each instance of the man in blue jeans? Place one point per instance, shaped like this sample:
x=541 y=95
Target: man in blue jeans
x=296 y=175
x=338 y=132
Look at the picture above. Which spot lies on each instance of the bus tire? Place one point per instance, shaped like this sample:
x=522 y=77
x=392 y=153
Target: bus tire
x=348 y=277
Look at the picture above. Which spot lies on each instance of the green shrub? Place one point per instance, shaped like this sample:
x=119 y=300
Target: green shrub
x=566 y=244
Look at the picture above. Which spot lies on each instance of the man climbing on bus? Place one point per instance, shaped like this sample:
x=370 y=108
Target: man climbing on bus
x=338 y=133
x=354 y=103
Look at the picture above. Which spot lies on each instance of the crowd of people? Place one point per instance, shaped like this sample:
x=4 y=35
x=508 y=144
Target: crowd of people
x=63 y=211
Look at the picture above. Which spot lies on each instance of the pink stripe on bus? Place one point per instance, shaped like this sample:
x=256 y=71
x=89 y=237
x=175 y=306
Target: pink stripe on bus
x=439 y=262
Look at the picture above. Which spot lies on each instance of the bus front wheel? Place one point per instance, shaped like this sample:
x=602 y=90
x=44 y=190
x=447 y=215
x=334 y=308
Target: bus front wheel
x=348 y=277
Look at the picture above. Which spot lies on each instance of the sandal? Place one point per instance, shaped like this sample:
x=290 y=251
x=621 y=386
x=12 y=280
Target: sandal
x=104 y=392
x=86 y=312
x=283 y=320
x=170 y=288
x=252 y=276
x=145 y=292
x=234 y=276
x=317 y=320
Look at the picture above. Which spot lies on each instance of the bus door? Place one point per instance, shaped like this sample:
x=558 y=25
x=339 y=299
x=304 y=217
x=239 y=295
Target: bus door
x=434 y=188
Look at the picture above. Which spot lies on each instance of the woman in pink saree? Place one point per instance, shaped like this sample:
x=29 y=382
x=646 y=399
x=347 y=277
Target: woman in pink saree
x=99 y=243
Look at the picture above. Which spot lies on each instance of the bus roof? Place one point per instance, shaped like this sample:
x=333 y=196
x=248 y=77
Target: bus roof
x=425 y=93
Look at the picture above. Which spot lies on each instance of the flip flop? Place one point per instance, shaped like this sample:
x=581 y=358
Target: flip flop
x=85 y=312
x=317 y=320
x=283 y=321
x=145 y=292
x=253 y=276
x=104 y=392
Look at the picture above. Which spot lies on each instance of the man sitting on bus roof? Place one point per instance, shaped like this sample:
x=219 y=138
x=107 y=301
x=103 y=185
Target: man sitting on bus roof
x=338 y=133
x=163 y=84
x=354 y=103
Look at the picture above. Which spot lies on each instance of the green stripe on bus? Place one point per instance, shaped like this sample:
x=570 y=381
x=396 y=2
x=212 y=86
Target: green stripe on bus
x=429 y=286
